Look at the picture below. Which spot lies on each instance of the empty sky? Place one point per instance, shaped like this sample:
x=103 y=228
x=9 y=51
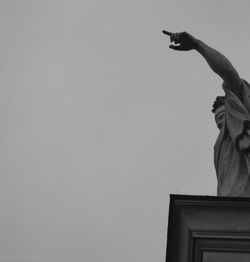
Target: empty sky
x=101 y=121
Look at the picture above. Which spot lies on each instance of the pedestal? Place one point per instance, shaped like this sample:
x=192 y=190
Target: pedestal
x=208 y=229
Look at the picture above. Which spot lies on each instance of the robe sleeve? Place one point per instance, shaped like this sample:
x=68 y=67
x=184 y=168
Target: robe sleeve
x=238 y=117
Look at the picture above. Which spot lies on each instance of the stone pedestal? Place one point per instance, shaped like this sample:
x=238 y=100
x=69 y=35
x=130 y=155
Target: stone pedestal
x=208 y=229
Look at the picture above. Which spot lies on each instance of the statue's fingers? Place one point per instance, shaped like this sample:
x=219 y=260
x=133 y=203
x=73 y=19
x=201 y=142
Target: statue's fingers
x=176 y=47
x=177 y=38
x=172 y=38
x=166 y=32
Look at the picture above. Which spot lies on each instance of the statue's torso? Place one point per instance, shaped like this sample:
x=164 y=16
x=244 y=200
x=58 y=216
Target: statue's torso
x=232 y=148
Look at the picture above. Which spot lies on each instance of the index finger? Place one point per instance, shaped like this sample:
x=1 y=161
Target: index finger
x=166 y=32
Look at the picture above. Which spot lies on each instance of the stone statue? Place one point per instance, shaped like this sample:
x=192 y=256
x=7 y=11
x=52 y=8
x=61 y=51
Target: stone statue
x=232 y=116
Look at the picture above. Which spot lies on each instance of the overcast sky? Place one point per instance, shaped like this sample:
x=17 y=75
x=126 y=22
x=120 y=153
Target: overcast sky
x=101 y=121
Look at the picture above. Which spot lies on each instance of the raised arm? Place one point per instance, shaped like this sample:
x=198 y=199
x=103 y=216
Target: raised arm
x=217 y=62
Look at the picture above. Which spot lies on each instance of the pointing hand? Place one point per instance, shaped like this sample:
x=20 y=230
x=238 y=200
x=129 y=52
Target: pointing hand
x=183 y=41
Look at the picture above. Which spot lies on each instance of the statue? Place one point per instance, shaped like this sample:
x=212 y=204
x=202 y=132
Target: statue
x=232 y=116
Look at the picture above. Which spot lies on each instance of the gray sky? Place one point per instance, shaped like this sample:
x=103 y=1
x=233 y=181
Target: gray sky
x=101 y=122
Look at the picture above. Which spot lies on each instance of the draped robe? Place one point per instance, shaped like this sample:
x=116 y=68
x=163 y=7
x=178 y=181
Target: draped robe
x=232 y=148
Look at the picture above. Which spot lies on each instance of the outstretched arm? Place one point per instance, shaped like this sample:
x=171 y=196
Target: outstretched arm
x=217 y=62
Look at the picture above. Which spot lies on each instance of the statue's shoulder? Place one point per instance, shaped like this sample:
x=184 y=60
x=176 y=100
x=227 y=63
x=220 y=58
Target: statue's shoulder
x=245 y=87
x=244 y=82
x=245 y=94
